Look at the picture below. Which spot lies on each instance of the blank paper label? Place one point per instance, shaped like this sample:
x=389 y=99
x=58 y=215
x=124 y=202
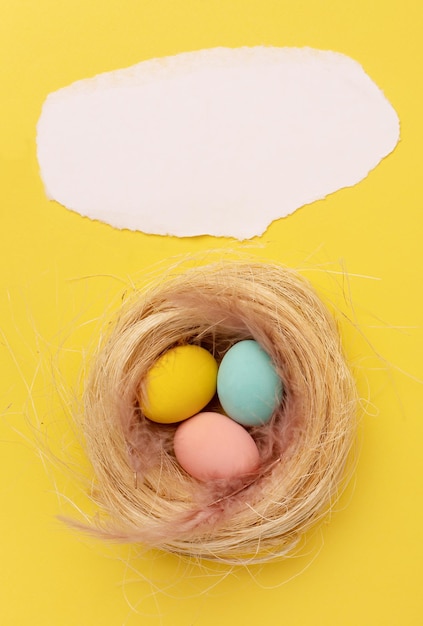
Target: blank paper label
x=219 y=142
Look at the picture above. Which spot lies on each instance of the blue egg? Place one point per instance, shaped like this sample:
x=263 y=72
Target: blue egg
x=248 y=386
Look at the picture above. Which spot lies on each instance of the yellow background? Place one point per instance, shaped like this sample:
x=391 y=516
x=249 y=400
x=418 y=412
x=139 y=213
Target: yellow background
x=361 y=247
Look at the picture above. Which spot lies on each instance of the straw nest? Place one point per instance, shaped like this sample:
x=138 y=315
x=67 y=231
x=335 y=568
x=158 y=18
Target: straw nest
x=143 y=494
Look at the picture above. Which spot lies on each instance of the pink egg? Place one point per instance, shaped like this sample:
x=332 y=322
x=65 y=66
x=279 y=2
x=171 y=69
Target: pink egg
x=211 y=445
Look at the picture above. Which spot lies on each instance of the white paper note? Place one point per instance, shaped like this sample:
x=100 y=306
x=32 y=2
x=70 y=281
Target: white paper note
x=219 y=142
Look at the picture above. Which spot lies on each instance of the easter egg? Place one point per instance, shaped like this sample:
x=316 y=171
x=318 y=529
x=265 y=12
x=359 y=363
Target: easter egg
x=179 y=385
x=248 y=385
x=210 y=446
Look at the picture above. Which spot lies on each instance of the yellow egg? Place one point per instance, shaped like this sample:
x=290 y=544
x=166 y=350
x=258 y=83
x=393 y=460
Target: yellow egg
x=179 y=384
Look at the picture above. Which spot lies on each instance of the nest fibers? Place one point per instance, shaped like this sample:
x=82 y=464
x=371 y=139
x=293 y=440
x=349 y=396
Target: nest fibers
x=144 y=495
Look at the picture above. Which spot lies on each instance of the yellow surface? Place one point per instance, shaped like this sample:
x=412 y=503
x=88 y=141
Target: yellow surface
x=180 y=384
x=61 y=272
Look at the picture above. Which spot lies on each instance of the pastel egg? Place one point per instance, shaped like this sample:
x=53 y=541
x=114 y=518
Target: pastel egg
x=210 y=446
x=179 y=385
x=248 y=385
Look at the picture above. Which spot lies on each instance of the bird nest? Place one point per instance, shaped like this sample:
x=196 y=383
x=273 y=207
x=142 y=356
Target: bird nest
x=143 y=494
